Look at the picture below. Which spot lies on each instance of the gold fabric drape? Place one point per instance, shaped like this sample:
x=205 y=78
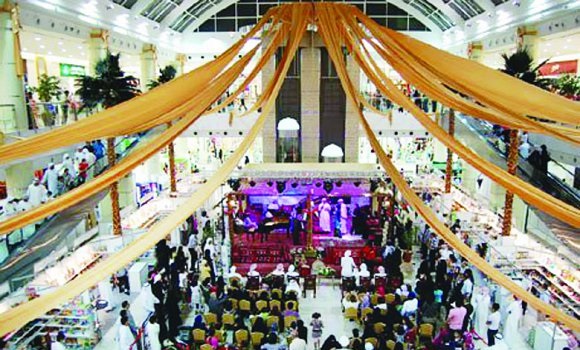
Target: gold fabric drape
x=334 y=37
x=430 y=84
x=201 y=102
x=99 y=183
x=20 y=315
x=524 y=190
x=491 y=87
x=159 y=106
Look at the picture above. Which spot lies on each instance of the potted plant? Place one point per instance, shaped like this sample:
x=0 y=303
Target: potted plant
x=48 y=88
x=165 y=75
x=568 y=85
x=109 y=87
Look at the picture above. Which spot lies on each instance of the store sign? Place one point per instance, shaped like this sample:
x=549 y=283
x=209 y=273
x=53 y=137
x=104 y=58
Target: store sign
x=558 y=68
x=71 y=70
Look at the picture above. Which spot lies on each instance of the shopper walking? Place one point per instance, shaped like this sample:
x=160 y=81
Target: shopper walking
x=317 y=326
x=153 y=330
x=126 y=338
x=493 y=324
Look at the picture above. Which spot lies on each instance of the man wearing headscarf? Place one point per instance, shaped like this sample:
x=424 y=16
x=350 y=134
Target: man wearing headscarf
x=36 y=193
x=50 y=179
x=91 y=159
x=347 y=265
x=67 y=163
x=78 y=155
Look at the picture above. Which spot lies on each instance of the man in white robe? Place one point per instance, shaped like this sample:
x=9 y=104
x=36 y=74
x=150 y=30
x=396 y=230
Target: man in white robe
x=36 y=193
x=324 y=215
x=50 y=179
x=67 y=163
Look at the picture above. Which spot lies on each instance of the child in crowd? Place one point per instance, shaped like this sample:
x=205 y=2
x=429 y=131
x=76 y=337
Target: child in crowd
x=317 y=326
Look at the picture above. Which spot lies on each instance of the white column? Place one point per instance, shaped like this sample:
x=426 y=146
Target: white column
x=180 y=61
x=352 y=126
x=310 y=100
x=527 y=38
x=269 y=131
x=475 y=51
x=13 y=114
x=127 y=191
x=98 y=46
x=148 y=65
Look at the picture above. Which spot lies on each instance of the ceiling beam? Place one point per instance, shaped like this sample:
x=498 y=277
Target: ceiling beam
x=449 y=12
x=487 y=5
x=139 y=6
x=173 y=15
x=399 y=3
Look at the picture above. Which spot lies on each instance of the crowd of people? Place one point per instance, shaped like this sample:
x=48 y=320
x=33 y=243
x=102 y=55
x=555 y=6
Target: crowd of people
x=54 y=180
x=442 y=309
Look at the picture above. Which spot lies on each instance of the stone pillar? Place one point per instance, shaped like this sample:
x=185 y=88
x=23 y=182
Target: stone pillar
x=310 y=99
x=18 y=177
x=449 y=165
x=127 y=191
x=155 y=173
x=180 y=61
x=352 y=127
x=148 y=65
x=269 y=130
x=475 y=51
x=527 y=38
x=98 y=47
x=14 y=115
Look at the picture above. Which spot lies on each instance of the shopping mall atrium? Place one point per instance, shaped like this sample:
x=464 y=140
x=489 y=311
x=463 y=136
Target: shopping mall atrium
x=290 y=174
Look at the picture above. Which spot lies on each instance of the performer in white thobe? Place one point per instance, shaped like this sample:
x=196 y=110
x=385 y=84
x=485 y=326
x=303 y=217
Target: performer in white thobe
x=36 y=193
x=324 y=215
x=343 y=217
x=50 y=179
x=511 y=333
x=347 y=265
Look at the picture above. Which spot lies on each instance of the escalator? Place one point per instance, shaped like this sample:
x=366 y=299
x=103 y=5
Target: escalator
x=55 y=231
x=479 y=135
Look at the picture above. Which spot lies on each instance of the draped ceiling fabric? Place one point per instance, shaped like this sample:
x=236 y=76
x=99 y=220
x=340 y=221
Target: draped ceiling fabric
x=210 y=93
x=334 y=31
x=297 y=18
x=188 y=97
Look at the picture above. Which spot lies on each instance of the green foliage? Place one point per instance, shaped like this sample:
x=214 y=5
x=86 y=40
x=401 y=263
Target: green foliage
x=109 y=87
x=165 y=75
x=48 y=88
x=520 y=65
x=568 y=85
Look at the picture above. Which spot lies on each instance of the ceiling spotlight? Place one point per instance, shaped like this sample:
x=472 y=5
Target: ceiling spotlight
x=110 y=6
x=42 y=46
x=516 y=3
x=49 y=52
x=156 y=26
x=37 y=39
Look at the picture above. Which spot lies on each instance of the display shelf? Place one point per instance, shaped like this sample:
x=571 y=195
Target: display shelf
x=563 y=298
x=76 y=319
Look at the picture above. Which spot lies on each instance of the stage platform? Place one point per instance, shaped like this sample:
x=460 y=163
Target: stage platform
x=279 y=248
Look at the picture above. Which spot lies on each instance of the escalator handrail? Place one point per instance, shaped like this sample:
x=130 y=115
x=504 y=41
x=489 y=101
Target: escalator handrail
x=523 y=165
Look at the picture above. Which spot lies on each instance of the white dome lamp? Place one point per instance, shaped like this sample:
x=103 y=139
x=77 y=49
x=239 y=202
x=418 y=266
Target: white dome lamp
x=288 y=127
x=332 y=154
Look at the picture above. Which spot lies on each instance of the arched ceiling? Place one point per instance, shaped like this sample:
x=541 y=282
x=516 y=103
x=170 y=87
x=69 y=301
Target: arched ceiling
x=230 y=15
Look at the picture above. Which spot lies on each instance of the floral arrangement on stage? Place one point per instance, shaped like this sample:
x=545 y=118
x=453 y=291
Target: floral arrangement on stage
x=326 y=271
